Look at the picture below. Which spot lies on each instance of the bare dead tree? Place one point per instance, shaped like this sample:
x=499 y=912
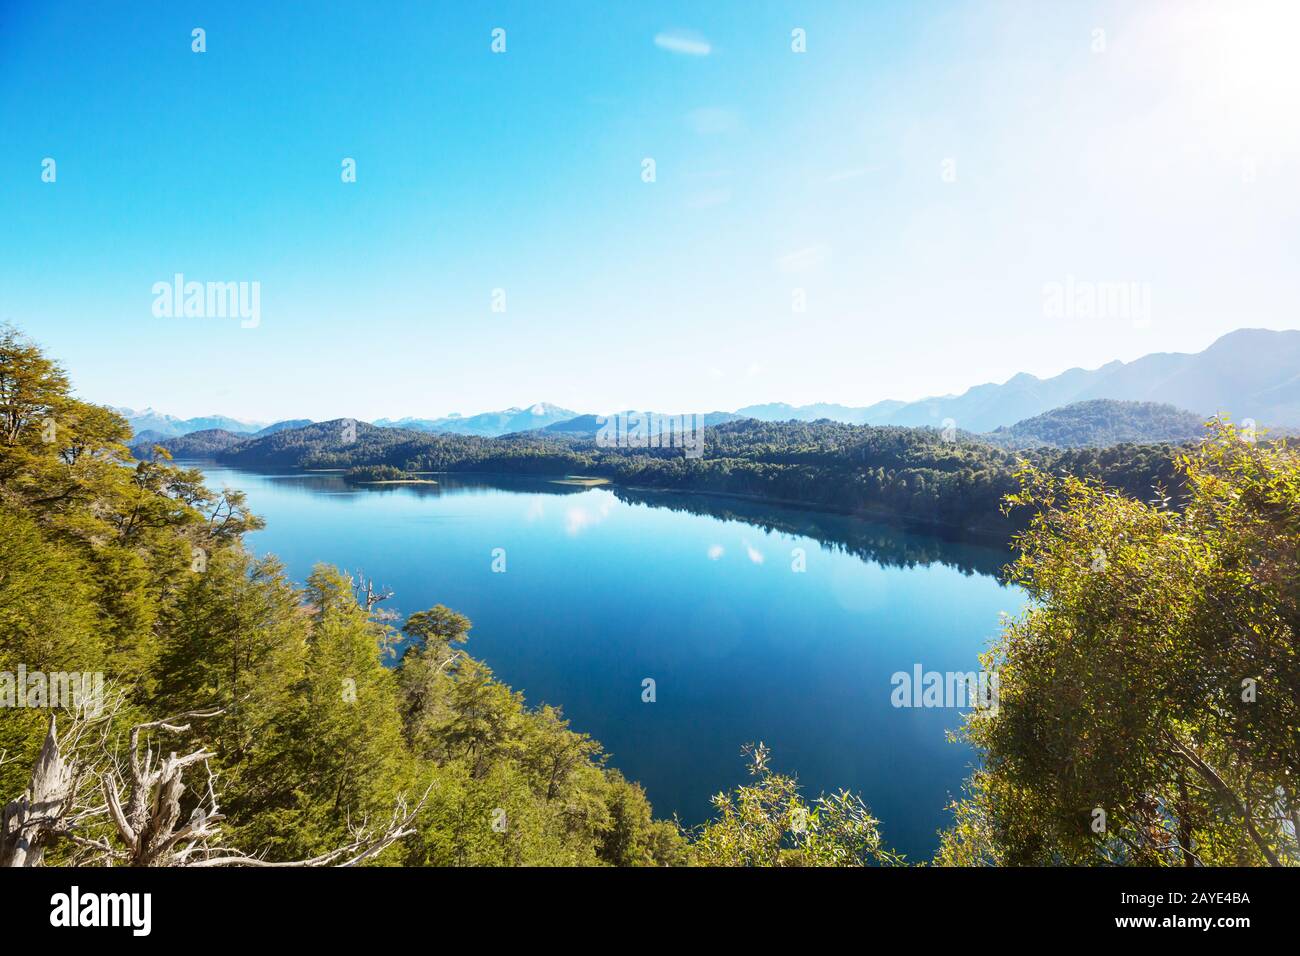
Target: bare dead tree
x=141 y=797
x=369 y=598
x=48 y=809
x=146 y=821
x=364 y=842
x=28 y=823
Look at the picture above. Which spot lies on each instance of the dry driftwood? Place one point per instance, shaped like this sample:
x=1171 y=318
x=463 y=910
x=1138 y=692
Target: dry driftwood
x=28 y=823
x=141 y=796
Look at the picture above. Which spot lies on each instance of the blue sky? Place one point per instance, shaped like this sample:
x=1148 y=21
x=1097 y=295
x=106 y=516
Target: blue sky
x=922 y=173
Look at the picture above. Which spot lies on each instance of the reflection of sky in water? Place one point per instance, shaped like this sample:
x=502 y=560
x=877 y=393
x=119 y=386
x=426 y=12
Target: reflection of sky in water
x=605 y=588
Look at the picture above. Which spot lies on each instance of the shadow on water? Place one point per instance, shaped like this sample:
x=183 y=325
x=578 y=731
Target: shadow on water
x=890 y=545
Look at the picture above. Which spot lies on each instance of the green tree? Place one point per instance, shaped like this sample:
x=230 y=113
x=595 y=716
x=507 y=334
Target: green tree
x=768 y=823
x=1149 y=698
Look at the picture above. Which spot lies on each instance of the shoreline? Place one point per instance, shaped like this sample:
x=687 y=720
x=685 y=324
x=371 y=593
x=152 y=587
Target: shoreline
x=907 y=523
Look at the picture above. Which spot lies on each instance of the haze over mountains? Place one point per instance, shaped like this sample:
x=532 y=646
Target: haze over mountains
x=1249 y=373
x=487 y=424
x=148 y=420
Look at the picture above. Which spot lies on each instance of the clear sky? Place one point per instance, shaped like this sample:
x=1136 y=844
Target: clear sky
x=923 y=172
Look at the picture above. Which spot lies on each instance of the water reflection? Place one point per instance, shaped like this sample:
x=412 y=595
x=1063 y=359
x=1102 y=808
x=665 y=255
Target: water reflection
x=607 y=586
x=888 y=544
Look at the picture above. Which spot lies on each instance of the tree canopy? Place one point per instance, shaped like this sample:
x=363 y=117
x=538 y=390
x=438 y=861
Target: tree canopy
x=1149 y=708
x=311 y=717
x=1148 y=699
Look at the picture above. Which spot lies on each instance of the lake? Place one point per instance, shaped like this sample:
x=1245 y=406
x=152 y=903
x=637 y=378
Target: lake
x=603 y=588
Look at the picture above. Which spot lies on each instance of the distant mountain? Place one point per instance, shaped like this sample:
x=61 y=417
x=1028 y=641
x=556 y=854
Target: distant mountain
x=283 y=426
x=1246 y=374
x=206 y=442
x=781 y=412
x=486 y=424
x=148 y=420
x=290 y=447
x=1099 y=423
x=148 y=437
x=1249 y=373
x=589 y=425
x=200 y=444
x=581 y=425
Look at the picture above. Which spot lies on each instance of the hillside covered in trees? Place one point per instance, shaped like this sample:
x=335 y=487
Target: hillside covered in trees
x=305 y=724
x=1101 y=422
x=316 y=710
x=1149 y=700
x=1147 y=711
x=915 y=474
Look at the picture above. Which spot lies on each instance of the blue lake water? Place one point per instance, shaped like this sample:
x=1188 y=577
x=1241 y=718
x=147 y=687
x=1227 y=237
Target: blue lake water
x=603 y=588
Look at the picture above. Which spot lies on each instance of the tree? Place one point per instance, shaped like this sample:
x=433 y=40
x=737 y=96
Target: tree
x=1149 y=699
x=298 y=728
x=769 y=824
x=32 y=389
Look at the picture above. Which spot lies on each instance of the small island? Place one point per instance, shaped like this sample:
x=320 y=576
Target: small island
x=384 y=475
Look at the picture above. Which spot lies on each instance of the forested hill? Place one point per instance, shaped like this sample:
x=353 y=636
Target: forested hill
x=1102 y=422
x=917 y=474
x=200 y=444
x=308 y=717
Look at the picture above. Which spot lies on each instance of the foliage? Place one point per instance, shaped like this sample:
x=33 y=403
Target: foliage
x=137 y=570
x=768 y=823
x=1101 y=422
x=1149 y=706
x=1152 y=687
x=916 y=474
x=364 y=473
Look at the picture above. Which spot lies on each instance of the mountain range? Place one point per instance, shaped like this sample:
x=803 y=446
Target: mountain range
x=1249 y=373
x=169 y=426
x=1091 y=424
x=486 y=424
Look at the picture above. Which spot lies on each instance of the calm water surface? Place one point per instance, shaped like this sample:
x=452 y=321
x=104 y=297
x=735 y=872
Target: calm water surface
x=604 y=588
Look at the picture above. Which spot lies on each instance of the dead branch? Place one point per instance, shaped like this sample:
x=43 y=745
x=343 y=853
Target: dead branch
x=28 y=823
x=141 y=797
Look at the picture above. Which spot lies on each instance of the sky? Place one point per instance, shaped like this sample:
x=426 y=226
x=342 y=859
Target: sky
x=890 y=212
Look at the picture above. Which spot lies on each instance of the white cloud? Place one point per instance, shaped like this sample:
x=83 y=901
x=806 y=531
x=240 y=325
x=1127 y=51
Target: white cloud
x=577 y=520
x=686 y=42
x=715 y=552
x=803 y=259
